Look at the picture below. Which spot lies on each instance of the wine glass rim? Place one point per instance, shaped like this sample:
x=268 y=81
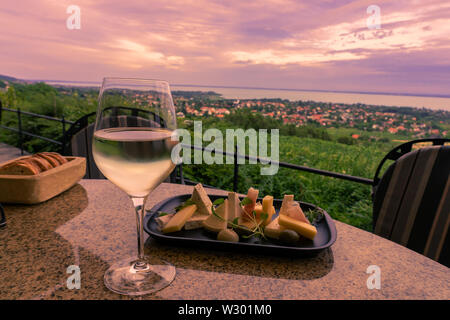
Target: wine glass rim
x=135 y=79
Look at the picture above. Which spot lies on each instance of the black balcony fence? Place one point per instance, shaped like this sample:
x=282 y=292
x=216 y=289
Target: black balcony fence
x=21 y=132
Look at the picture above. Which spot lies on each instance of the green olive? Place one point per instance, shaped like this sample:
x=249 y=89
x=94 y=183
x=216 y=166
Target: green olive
x=289 y=236
x=227 y=235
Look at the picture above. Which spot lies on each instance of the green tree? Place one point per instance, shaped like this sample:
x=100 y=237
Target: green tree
x=11 y=99
x=2 y=97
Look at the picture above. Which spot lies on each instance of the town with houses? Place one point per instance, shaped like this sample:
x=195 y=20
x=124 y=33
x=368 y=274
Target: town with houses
x=417 y=123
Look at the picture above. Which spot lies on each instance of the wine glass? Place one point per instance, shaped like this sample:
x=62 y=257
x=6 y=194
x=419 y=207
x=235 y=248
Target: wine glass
x=132 y=146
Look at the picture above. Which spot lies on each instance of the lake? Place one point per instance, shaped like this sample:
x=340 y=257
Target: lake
x=429 y=102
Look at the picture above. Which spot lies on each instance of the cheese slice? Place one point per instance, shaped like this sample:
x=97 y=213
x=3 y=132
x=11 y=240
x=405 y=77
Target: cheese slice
x=234 y=206
x=195 y=222
x=270 y=215
x=179 y=219
x=267 y=204
x=252 y=195
x=273 y=229
x=295 y=212
x=288 y=198
x=162 y=220
x=258 y=209
x=302 y=228
x=215 y=224
x=267 y=207
x=201 y=199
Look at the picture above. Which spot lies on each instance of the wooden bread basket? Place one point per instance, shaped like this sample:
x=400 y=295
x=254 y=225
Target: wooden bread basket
x=32 y=189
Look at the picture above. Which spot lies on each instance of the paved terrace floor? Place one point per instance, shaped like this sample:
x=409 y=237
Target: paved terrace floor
x=8 y=152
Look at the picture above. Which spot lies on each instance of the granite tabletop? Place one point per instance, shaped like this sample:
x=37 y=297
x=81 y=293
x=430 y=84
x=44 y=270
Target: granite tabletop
x=93 y=224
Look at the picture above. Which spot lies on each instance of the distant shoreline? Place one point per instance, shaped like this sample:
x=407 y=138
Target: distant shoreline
x=428 y=101
x=263 y=88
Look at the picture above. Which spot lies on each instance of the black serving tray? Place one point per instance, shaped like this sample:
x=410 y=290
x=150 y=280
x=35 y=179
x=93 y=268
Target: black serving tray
x=326 y=233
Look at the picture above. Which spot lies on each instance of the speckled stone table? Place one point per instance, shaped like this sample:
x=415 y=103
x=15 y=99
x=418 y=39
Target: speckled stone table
x=93 y=224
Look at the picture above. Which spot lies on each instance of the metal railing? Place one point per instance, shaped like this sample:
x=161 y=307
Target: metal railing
x=179 y=178
x=281 y=164
x=19 y=130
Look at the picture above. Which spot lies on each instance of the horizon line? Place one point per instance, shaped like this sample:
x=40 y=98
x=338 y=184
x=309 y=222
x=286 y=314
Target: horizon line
x=264 y=88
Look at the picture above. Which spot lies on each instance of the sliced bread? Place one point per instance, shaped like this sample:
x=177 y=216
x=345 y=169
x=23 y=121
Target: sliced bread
x=19 y=167
x=56 y=156
x=51 y=160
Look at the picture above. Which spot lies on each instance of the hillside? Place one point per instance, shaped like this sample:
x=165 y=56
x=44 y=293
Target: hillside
x=7 y=78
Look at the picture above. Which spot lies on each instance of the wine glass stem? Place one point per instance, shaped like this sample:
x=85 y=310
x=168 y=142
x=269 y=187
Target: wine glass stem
x=139 y=207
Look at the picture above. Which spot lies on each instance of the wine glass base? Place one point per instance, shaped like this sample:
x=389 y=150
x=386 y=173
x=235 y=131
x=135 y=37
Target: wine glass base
x=128 y=277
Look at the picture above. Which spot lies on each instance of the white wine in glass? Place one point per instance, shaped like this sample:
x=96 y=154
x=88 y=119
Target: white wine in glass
x=132 y=147
x=142 y=154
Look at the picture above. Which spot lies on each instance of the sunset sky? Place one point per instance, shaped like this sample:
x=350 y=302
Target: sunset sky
x=272 y=43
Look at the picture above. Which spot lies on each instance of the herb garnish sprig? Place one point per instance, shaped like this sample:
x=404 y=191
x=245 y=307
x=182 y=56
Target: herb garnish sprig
x=185 y=204
x=258 y=231
x=188 y=202
x=314 y=216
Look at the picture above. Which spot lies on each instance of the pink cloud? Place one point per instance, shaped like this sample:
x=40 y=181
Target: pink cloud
x=276 y=43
